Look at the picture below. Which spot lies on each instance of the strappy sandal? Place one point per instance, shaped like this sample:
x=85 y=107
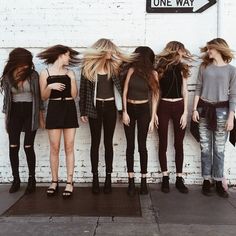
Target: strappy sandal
x=53 y=191
x=66 y=193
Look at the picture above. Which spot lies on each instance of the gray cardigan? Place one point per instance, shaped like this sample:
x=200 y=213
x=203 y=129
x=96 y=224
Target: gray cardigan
x=37 y=102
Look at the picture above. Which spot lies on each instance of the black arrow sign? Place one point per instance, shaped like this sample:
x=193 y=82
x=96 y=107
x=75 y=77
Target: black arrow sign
x=178 y=6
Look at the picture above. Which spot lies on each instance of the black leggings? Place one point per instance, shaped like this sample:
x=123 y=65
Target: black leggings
x=141 y=114
x=20 y=119
x=106 y=117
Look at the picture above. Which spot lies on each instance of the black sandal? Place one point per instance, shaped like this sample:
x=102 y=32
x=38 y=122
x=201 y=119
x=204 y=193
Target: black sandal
x=66 y=193
x=53 y=191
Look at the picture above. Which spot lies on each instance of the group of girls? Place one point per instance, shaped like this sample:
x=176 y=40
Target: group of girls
x=151 y=91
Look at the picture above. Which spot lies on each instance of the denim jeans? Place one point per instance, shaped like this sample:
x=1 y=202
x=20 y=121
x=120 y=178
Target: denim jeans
x=212 y=145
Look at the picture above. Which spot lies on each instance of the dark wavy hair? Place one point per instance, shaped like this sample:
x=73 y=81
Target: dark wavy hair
x=50 y=55
x=143 y=65
x=18 y=57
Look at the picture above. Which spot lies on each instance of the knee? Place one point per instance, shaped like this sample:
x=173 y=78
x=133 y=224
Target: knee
x=69 y=147
x=14 y=147
x=54 y=149
x=28 y=147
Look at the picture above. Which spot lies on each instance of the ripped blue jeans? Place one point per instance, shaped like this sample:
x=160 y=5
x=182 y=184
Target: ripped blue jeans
x=212 y=145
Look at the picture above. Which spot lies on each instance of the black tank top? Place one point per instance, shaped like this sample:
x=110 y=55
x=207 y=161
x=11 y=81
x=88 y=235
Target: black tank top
x=104 y=87
x=138 y=88
x=171 y=83
x=64 y=79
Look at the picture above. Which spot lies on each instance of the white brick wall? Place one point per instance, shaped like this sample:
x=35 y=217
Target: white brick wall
x=36 y=24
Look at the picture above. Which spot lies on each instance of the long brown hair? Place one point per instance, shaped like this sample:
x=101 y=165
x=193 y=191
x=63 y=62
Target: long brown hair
x=170 y=56
x=143 y=65
x=18 y=57
x=221 y=46
x=50 y=55
x=103 y=54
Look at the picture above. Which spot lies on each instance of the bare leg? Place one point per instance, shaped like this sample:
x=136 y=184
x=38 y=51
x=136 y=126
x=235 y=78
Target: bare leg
x=54 y=139
x=69 y=138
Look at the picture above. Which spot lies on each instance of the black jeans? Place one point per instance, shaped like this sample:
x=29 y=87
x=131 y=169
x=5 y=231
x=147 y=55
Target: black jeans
x=106 y=112
x=171 y=110
x=21 y=119
x=141 y=114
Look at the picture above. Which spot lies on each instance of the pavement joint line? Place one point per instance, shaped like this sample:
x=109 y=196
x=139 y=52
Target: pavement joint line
x=95 y=230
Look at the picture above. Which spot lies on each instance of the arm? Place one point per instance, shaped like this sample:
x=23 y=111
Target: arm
x=125 y=115
x=155 y=99
x=82 y=98
x=74 y=90
x=232 y=102
x=195 y=115
x=183 y=120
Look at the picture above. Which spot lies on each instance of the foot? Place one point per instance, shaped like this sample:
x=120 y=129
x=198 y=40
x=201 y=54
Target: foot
x=131 y=188
x=206 y=188
x=179 y=184
x=95 y=185
x=31 y=187
x=53 y=189
x=220 y=190
x=143 y=187
x=165 y=187
x=107 y=186
x=15 y=185
x=68 y=192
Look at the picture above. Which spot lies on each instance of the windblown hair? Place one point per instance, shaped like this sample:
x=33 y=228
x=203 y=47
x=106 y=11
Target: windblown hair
x=221 y=46
x=50 y=55
x=105 y=55
x=18 y=57
x=144 y=66
x=170 y=57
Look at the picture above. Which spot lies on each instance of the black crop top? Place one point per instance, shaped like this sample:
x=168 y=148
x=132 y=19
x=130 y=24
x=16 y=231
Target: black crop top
x=171 y=83
x=64 y=79
x=138 y=88
x=104 y=87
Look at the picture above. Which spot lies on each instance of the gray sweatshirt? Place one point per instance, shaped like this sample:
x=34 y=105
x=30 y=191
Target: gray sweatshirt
x=217 y=84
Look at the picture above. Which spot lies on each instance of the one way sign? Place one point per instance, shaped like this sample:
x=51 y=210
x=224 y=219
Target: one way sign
x=178 y=6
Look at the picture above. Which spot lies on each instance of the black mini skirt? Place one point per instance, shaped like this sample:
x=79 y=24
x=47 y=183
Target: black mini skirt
x=61 y=114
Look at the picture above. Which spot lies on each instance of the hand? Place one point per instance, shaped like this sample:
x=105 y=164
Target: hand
x=84 y=119
x=41 y=123
x=57 y=86
x=195 y=116
x=183 y=121
x=151 y=126
x=125 y=118
x=229 y=124
x=156 y=122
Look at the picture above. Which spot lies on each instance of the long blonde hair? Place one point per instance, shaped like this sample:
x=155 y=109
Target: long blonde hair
x=221 y=46
x=103 y=54
x=170 y=56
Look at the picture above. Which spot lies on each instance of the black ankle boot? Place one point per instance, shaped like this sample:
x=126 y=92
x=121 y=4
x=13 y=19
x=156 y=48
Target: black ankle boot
x=31 y=187
x=143 y=187
x=107 y=185
x=15 y=185
x=165 y=188
x=95 y=186
x=131 y=188
x=206 y=188
x=220 y=190
x=179 y=184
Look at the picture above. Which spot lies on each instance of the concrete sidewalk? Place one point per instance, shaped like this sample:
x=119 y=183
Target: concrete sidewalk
x=162 y=214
